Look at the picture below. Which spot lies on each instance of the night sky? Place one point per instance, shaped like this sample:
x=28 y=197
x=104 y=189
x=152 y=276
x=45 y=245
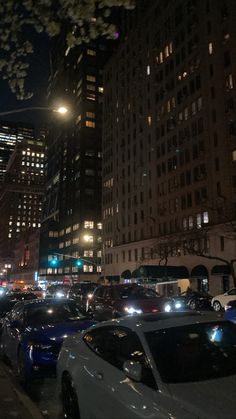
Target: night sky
x=37 y=83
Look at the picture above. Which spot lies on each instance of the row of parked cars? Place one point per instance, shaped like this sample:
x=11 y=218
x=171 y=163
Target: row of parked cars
x=153 y=358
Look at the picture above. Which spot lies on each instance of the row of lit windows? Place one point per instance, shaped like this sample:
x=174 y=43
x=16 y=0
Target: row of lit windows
x=197 y=221
x=33 y=154
x=86 y=268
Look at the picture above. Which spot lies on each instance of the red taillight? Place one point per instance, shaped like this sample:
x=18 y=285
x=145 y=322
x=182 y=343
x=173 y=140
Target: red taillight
x=155 y=310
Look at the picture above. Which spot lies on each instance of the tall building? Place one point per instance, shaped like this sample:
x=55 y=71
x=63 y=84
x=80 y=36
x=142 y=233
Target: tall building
x=169 y=143
x=21 y=194
x=10 y=134
x=70 y=247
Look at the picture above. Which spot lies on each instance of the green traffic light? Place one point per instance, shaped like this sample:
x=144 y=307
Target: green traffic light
x=79 y=262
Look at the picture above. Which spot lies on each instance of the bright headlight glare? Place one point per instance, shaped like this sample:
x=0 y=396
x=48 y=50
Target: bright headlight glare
x=60 y=294
x=90 y=296
x=132 y=310
x=178 y=305
x=167 y=308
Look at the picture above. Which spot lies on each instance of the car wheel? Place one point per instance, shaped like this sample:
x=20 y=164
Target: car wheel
x=69 y=399
x=192 y=305
x=24 y=378
x=217 y=306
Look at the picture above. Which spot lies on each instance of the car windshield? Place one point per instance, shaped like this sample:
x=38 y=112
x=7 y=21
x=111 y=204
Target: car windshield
x=52 y=313
x=136 y=293
x=195 y=352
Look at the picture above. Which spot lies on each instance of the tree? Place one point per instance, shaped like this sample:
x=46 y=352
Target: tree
x=81 y=20
x=196 y=243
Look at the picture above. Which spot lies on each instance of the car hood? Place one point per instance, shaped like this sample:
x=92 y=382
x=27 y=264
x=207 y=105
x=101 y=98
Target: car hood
x=207 y=399
x=57 y=332
x=148 y=305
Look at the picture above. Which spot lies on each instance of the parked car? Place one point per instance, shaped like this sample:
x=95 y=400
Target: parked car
x=33 y=332
x=57 y=291
x=230 y=311
x=82 y=292
x=126 y=299
x=37 y=291
x=219 y=301
x=194 y=300
x=180 y=365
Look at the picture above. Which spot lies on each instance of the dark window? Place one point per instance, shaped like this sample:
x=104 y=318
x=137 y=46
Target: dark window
x=222 y=243
x=227 y=58
x=116 y=345
x=194 y=353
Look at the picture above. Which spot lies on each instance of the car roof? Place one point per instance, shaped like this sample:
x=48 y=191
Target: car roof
x=43 y=301
x=151 y=322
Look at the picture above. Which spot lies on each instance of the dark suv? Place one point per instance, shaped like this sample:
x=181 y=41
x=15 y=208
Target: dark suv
x=119 y=300
x=82 y=292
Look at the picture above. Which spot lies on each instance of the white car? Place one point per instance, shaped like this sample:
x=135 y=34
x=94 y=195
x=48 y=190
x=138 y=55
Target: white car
x=152 y=366
x=219 y=301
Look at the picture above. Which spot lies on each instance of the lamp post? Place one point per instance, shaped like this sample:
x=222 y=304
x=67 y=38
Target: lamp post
x=62 y=110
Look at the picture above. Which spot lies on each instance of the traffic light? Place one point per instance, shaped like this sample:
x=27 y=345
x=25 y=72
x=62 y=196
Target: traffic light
x=53 y=263
x=79 y=263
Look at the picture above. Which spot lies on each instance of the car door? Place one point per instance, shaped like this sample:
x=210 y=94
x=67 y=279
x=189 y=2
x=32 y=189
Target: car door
x=12 y=335
x=112 y=393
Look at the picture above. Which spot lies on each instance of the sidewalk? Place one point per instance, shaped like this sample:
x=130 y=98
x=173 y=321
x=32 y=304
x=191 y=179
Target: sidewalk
x=14 y=403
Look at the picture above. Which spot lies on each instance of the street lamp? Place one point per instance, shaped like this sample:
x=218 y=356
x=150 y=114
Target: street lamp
x=62 y=110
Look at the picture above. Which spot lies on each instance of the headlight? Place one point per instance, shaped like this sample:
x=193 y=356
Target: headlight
x=178 y=305
x=132 y=310
x=90 y=296
x=167 y=308
x=60 y=294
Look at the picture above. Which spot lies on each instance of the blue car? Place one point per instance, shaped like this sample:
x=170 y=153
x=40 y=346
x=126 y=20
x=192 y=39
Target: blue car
x=33 y=332
x=230 y=311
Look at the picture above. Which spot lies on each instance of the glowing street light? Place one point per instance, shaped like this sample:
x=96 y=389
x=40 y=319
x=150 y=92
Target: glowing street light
x=61 y=109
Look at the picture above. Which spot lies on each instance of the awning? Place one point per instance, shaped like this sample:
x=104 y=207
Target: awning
x=134 y=274
x=162 y=272
x=220 y=270
x=126 y=274
x=199 y=271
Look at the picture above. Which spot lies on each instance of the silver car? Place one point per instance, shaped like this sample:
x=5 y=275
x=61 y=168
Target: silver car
x=160 y=366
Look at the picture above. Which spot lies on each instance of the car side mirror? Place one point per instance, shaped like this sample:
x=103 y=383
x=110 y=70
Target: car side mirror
x=16 y=324
x=133 y=370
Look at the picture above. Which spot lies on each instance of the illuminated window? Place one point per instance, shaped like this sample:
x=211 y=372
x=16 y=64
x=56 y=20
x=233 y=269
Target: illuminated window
x=90 y=124
x=68 y=230
x=91 y=78
x=148 y=70
x=99 y=253
x=229 y=82
x=100 y=89
x=199 y=220
x=90 y=115
x=91 y=87
x=234 y=155
x=210 y=48
x=99 y=226
x=88 y=224
x=88 y=253
x=205 y=217
x=161 y=57
x=91 y=52
x=149 y=120
x=88 y=238
x=99 y=268
x=199 y=103
x=75 y=227
x=91 y=96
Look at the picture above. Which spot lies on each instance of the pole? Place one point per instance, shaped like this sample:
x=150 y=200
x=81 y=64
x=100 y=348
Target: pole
x=29 y=108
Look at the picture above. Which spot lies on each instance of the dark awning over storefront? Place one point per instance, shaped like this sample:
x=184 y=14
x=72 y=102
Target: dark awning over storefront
x=199 y=271
x=126 y=274
x=220 y=270
x=161 y=272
